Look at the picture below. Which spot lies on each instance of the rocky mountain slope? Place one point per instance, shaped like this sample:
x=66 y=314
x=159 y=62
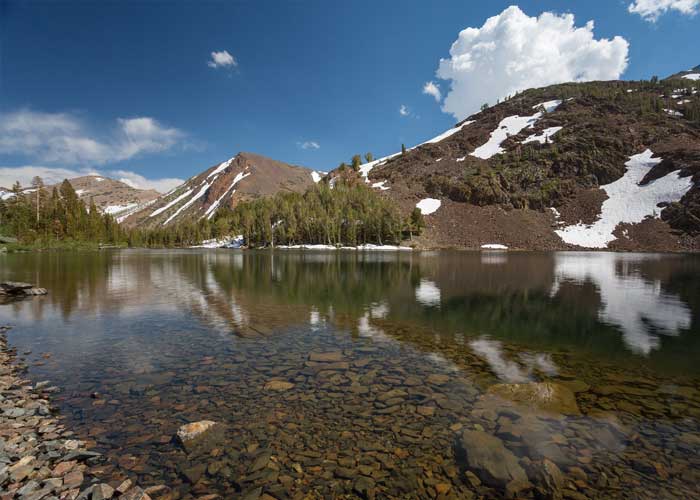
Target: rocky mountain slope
x=246 y=176
x=589 y=165
x=112 y=196
x=691 y=74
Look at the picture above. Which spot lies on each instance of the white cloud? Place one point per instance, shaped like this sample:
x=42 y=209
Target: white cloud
x=513 y=52
x=63 y=138
x=404 y=111
x=650 y=10
x=145 y=135
x=140 y=182
x=54 y=175
x=222 y=60
x=433 y=89
x=309 y=145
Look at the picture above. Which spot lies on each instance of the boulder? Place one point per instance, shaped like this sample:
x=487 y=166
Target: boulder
x=490 y=460
x=549 y=397
x=200 y=437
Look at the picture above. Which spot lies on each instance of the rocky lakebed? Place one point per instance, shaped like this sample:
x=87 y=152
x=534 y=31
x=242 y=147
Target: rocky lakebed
x=205 y=386
x=347 y=423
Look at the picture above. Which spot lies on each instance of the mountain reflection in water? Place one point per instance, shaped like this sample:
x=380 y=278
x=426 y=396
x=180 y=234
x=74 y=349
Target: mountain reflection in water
x=605 y=304
x=395 y=365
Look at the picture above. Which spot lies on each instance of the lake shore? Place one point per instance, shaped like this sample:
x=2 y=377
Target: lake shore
x=40 y=457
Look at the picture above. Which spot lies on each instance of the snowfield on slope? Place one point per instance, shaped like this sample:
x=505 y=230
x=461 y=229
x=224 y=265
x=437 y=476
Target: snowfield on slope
x=428 y=206
x=222 y=166
x=365 y=168
x=214 y=206
x=628 y=202
x=544 y=136
x=692 y=76
x=200 y=193
x=511 y=125
x=177 y=200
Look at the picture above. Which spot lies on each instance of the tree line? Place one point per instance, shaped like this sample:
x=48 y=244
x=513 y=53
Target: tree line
x=41 y=217
x=344 y=214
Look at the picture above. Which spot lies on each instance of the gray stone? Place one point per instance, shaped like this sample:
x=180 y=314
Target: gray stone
x=492 y=462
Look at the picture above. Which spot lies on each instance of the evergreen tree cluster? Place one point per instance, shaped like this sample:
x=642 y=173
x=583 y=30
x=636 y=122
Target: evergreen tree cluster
x=43 y=218
x=347 y=214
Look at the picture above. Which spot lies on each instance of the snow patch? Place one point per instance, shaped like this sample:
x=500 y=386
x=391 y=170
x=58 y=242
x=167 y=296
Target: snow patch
x=225 y=242
x=673 y=112
x=380 y=185
x=115 y=209
x=446 y=134
x=199 y=194
x=548 y=106
x=212 y=208
x=512 y=125
x=493 y=246
x=177 y=200
x=222 y=166
x=365 y=168
x=367 y=247
x=628 y=202
x=428 y=206
x=543 y=137
x=316 y=177
x=692 y=76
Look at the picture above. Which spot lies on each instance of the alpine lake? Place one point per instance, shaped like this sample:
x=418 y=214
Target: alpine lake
x=374 y=374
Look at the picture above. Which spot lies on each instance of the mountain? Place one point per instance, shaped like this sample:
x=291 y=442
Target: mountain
x=112 y=196
x=692 y=74
x=244 y=177
x=582 y=165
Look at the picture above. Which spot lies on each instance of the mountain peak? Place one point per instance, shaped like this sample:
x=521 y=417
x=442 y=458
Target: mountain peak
x=242 y=177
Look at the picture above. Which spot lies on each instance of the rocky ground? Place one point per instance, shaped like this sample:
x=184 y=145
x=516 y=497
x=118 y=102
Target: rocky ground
x=39 y=457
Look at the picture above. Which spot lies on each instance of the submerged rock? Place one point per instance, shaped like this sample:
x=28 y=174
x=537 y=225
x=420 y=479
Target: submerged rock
x=278 y=385
x=326 y=357
x=545 y=396
x=200 y=436
x=490 y=460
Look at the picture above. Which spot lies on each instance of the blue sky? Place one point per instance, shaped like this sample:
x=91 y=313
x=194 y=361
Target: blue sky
x=125 y=88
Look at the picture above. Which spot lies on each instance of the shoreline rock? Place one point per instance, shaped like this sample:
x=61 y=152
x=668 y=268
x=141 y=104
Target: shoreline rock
x=39 y=457
x=18 y=289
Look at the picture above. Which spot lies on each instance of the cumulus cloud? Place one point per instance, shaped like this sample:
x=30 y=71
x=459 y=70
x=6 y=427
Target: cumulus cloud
x=309 y=145
x=650 y=10
x=433 y=89
x=63 y=138
x=222 y=60
x=54 y=175
x=404 y=111
x=512 y=52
